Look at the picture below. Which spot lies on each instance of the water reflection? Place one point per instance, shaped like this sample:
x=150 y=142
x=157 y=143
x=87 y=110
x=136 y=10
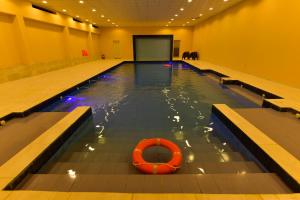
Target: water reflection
x=71 y=173
x=190 y=157
x=179 y=100
x=187 y=143
x=202 y=171
x=179 y=135
x=152 y=74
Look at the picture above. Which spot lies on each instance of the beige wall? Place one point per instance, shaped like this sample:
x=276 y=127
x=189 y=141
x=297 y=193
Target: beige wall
x=45 y=41
x=256 y=36
x=260 y=37
x=37 y=42
x=124 y=35
x=78 y=42
x=33 y=41
x=95 y=44
x=9 y=46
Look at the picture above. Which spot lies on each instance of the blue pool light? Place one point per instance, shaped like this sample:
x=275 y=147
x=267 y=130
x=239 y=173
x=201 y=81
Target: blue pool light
x=71 y=99
x=106 y=76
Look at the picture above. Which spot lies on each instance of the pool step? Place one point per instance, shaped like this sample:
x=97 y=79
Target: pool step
x=128 y=168
x=116 y=147
x=238 y=167
x=192 y=141
x=255 y=183
x=134 y=140
x=126 y=156
x=124 y=135
x=257 y=99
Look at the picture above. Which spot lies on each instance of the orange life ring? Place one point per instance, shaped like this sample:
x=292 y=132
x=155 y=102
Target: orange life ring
x=157 y=168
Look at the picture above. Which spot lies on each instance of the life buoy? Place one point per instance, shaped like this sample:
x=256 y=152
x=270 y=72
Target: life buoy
x=156 y=168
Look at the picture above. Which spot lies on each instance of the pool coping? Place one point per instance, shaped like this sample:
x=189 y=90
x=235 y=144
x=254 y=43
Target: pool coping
x=34 y=154
x=282 y=105
x=272 y=155
x=10 y=171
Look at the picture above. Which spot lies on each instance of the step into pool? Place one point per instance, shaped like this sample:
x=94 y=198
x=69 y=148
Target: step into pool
x=152 y=100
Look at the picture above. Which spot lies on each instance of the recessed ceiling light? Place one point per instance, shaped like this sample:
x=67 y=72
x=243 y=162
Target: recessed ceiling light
x=200 y=14
x=113 y=23
x=169 y=22
x=193 y=19
x=181 y=9
x=64 y=10
x=108 y=20
x=225 y=0
x=190 y=1
x=176 y=15
x=81 y=2
x=44 y=2
x=211 y=8
x=117 y=25
x=172 y=19
x=86 y=20
x=102 y=16
x=77 y=16
x=94 y=23
x=94 y=10
x=183 y=24
x=187 y=22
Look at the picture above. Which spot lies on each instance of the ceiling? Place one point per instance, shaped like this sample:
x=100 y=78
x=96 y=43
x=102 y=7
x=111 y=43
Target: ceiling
x=139 y=12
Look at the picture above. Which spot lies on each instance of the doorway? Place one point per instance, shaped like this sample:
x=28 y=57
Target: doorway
x=176 y=51
x=116 y=49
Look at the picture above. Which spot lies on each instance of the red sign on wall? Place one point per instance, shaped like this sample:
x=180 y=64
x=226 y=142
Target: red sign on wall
x=85 y=52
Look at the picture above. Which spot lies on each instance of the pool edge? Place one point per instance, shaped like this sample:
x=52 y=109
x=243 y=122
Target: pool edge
x=38 y=195
x=267 y=151
x=38 y=151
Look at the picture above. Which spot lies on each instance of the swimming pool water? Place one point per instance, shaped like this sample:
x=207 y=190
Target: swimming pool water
x=145 y=100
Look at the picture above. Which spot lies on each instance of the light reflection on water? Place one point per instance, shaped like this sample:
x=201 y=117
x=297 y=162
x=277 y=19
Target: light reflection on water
x=139 y=101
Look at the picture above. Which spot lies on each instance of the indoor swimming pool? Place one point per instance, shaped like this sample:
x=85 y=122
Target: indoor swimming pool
x=148 y=100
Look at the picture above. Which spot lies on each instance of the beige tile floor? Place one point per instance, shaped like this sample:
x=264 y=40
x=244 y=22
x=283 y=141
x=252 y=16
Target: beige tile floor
x=33 y=195
x=21 y=95
x=291 y=95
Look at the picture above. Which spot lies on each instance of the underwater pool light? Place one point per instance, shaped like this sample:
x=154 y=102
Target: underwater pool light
x=71 y=99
